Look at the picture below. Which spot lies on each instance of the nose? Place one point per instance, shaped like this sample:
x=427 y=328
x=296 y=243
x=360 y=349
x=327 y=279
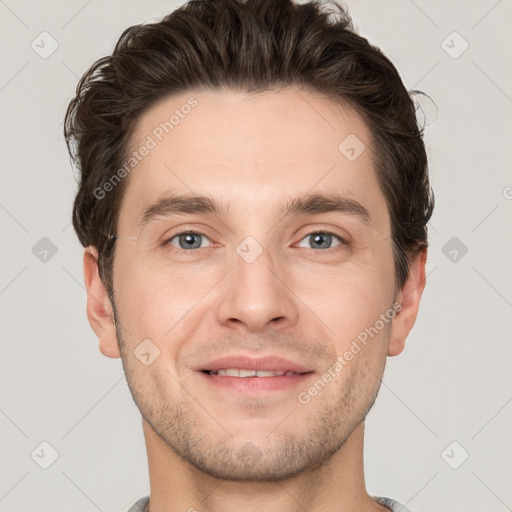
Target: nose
x=256 y=296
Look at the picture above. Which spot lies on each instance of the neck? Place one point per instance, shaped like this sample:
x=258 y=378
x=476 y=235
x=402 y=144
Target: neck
x=335 y=485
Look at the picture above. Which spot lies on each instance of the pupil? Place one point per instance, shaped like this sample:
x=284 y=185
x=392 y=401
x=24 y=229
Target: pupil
x=318 y=239
x=189 y=240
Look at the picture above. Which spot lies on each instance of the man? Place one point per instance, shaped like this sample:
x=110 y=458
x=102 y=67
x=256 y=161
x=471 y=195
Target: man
x=253 y=202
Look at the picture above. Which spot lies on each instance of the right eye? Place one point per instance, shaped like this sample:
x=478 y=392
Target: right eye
x=187 y=241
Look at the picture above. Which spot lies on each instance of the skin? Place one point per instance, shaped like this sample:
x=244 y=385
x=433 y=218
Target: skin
x=216 y=450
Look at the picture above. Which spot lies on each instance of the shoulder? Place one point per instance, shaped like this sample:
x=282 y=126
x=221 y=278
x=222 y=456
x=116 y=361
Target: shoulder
x=140 y=505
x=393 y=505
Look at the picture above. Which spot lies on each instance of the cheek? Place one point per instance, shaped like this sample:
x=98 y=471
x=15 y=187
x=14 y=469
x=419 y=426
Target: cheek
x=152 y=300
x=351 y=300
x=352 y=313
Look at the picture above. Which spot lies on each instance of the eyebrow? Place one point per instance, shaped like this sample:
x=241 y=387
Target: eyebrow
x=306 y=204
x=311 y=204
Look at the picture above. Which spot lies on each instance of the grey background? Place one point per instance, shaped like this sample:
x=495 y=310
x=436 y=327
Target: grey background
x=452 y=383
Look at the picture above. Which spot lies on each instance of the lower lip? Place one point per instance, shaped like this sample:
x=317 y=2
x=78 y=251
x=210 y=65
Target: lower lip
x=257 y=384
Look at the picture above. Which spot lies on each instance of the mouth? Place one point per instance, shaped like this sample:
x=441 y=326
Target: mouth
x=254 y=376
x=254 y=382
x=244 y=373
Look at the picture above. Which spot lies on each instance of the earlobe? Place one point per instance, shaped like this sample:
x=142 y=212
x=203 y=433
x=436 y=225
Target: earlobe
x=99 y=308
x=410 y=295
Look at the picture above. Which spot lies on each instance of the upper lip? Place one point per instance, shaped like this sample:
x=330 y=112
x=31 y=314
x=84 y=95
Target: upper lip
x=251 y=363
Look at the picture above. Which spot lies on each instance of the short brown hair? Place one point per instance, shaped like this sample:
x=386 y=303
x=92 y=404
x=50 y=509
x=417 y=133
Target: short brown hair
x=252 y=46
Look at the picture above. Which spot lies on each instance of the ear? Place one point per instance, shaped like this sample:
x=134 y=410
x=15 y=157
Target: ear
x=99 y=309
x=411 y=293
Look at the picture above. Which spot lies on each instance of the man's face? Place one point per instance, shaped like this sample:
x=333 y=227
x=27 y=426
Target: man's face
x=253 y=281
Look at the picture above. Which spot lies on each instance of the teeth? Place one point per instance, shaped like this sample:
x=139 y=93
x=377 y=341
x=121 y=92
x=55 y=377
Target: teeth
x=266 y=373
x=237 y=372
x=242 y=373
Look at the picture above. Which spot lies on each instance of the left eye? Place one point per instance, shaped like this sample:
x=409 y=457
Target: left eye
x=188 y=240
x=322 y=240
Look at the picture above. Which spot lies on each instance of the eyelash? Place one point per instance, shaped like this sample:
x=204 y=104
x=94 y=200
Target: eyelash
x=179 y=251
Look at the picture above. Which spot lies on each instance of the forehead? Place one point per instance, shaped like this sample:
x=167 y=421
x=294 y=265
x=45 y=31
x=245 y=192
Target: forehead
x=250 y=151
